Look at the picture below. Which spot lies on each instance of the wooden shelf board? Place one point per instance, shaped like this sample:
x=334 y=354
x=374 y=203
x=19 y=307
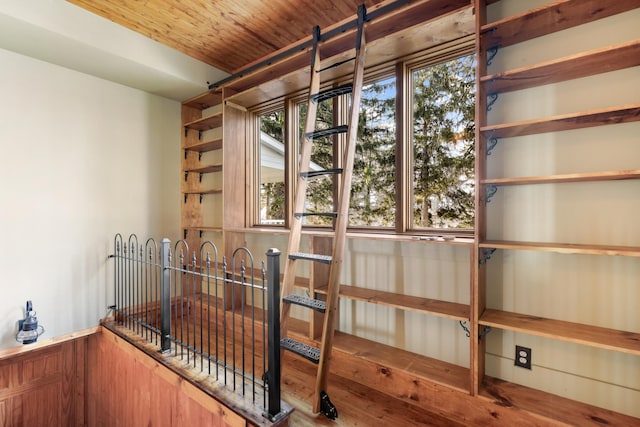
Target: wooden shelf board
x=565 y=248
x=204 y=146
x=426 y=22
x=606 y=116
x=206 y=169
x=203 y=228
x=572 y=177
x=391 y=358
x=206 y=123
x=585 y=64
x=435 y=307
x=209 y=191
x=456 y=240
x=556 y=16
x=551 y=406
x=205 y=100
x=595 y=336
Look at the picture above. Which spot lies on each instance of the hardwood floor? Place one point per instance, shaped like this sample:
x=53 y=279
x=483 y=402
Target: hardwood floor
x=357 y=405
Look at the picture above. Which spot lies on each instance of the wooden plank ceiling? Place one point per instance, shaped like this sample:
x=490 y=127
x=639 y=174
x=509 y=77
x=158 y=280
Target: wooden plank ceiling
x=227 y=34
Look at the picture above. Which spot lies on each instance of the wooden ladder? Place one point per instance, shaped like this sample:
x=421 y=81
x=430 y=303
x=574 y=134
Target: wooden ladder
x=322 y=355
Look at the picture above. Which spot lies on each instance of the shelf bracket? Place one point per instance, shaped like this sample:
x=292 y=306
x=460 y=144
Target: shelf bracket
x=184 y=234
x=491 y=53
x=199 y=155
x=463 y=324
x=186 y=175
x=491 y=144
x=485 y=255
x=186 y=131
x=492 y=98
x=186 y=153
x=201 y=197
x=491 y=190
x=201 y=233
x=199 y=135
x=201 y=177
x=483 y=333
x=185 y=197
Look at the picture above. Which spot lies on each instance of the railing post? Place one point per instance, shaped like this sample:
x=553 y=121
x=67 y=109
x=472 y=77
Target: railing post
x=273 y=332
x=165 y=296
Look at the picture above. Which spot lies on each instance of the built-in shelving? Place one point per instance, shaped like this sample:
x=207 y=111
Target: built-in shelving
x=584 y=64
x=563 y=248
x=205 y=100
x=570 y=177
x=393 y=360
x=551 y=18
x=606 y=116
x=387 y=33
x=204 y=169
x=611 y=339
x=204 y=191
x=493 y=37
x=201 y=113
x=204 y=146
x=435 y=307
x=205 y=123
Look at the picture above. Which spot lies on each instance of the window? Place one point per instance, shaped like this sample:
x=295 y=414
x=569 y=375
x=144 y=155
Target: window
x=373 y=192
x=421 y=183
x=320 y=189
x=272 y=170
x=443 y=144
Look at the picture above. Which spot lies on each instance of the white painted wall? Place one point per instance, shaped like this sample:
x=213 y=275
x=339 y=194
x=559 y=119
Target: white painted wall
x=81 y=158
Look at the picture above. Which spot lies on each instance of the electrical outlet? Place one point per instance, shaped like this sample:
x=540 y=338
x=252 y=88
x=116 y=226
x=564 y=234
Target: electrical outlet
x=523 y=357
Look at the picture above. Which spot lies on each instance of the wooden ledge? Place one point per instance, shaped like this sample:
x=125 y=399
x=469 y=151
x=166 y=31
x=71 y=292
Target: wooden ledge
x=42 y=343
x=550 y=406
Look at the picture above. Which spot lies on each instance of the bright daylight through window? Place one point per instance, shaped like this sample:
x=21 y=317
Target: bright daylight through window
x=443 y=144
x=439 y=169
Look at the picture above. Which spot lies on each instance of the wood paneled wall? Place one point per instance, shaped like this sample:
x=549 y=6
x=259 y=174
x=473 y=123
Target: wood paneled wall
x=95 y=378
x=128 y=388
x=43 y=384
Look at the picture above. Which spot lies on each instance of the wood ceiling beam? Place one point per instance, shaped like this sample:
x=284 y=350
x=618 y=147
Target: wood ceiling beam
x=383 y=19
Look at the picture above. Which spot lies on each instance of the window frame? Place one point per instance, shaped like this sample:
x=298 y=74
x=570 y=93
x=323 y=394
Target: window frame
x=409 y=67
x=401 y=69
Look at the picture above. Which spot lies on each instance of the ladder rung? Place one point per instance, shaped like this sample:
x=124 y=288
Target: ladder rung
x=310 y=174
x=314 y=304
x=327 y=132
x=332 y=93
x=299 y=215
x=325 y=259
x=304 y=350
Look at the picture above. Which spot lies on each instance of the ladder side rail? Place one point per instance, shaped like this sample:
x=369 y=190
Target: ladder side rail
x=342 y=220
x=301 y=185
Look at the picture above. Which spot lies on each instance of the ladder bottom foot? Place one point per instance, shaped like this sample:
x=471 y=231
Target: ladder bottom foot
x=327 y=408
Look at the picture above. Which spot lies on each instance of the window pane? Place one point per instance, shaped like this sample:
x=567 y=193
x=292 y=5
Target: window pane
x=443 y=144
x=373 y=188
x=272 y=191
x=319 y=197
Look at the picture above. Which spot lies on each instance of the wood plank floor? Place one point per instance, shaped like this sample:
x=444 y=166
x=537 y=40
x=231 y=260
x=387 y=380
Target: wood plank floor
x=357 y=405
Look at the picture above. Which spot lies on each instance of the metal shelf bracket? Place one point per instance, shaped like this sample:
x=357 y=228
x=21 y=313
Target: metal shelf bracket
x=491 y=99
x=491 y=190
x=491 y=53
x=491 y=144
x=485 y=255
x=483 y=333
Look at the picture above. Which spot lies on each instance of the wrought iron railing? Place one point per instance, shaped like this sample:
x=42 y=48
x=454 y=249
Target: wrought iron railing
x=214 y=314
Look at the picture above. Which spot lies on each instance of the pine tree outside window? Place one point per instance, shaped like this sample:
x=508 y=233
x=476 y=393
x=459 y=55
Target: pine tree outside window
x=443 y=130
x=373 y=193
